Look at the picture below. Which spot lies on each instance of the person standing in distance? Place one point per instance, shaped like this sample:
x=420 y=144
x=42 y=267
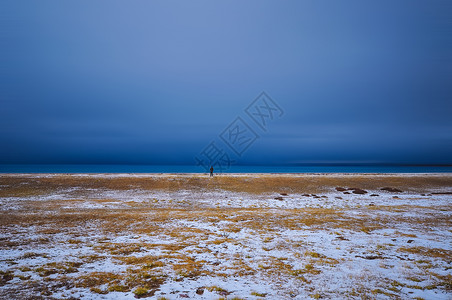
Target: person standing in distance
x=211 y=171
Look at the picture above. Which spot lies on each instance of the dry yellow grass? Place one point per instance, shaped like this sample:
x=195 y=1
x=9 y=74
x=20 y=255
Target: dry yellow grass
x=22 y=186
x=94 y=230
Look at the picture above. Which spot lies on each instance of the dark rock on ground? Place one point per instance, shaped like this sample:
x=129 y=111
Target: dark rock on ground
x=390 y=189
x=374 y=195
x=340 y=198
x=224 y=293
x=200 y=290
x=279 y=198
x=306 y=195
x=410 y=241
x=283 y=194
x=359 y=191
x=347 y=193
x=395 y=197
x=7 y=276
x=340 y=189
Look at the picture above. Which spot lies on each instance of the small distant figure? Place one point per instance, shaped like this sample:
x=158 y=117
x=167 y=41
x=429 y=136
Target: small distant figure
x=211 y=171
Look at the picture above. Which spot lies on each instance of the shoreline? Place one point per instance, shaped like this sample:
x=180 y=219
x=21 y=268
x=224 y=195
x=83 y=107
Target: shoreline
x=240 y=235
x=138 y=174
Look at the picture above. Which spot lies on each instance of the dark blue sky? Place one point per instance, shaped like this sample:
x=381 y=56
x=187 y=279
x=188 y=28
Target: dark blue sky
x=154 y=82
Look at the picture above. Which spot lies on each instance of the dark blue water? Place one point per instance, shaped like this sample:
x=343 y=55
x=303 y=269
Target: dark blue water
x=232 y=169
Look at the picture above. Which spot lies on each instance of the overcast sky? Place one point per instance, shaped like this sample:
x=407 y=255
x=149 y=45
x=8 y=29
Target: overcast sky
x=155 y=82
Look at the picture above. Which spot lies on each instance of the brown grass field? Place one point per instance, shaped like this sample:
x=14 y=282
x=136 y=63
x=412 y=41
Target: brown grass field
x=248 y=236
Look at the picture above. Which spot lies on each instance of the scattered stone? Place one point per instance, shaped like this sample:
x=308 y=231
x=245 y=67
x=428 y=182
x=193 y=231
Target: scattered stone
x=224 y=293
x=359 y=191
x=279 y=198
x=340 y=198
x=410 y=241
x=371 y=256
x=184 y=296
x=347 y=193
x=6 y=277
x=340 y=189
x=395 y=197
x=283 y=194
x=442 y=193
x=390 y=189
x=393 y=240
x=200 y=290
x=306 y=195
x=372 y=204
x=374 y=195
x=341 y=238
x=422 y=194
x=324 y=197
x=314 y=195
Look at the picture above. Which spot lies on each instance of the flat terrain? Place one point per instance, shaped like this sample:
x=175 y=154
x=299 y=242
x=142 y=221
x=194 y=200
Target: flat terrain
x=244 y=236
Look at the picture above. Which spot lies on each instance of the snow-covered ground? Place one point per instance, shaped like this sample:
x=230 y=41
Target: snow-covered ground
x=64 y=238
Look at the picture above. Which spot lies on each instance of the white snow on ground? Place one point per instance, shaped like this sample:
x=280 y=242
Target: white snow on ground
x=279 y=260
x=225 y=199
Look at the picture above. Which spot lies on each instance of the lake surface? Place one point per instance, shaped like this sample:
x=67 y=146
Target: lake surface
x=232 y=169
